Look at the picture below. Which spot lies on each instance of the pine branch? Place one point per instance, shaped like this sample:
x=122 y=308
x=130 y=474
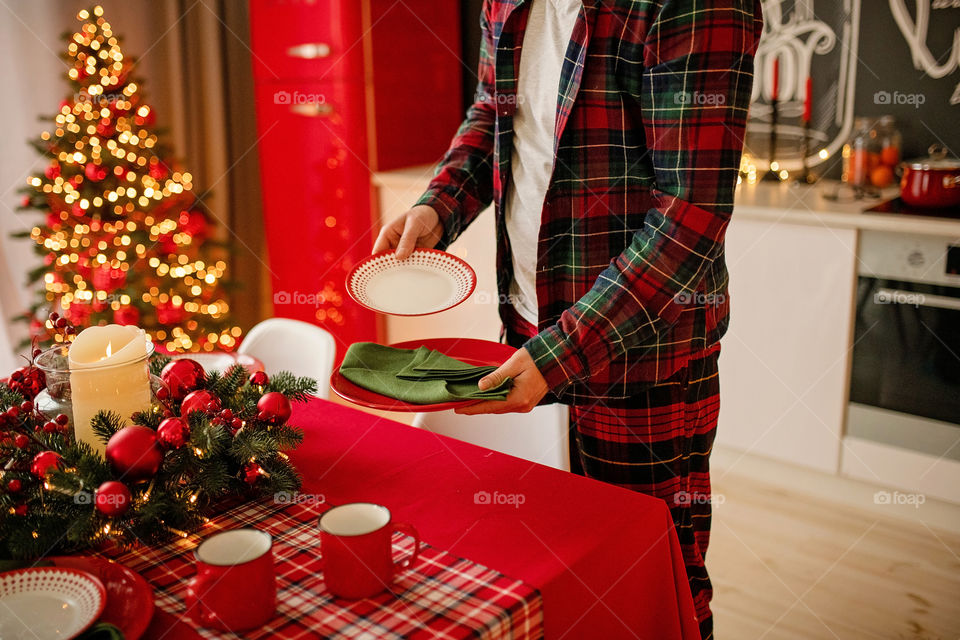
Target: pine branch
x=157 y=362
x=296 y=389
x=105 y=424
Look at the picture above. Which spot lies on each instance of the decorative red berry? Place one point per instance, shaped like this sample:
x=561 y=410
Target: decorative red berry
x=26 y=406
x=62 y=419
x=50 y=427
x=14 y=485
x=21 y=441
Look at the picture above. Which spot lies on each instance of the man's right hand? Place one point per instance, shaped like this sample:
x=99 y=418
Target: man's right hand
x=418 y=227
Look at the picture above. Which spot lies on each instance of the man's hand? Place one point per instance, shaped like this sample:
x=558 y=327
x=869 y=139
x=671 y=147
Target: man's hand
x=528 y=389
x=418 y=227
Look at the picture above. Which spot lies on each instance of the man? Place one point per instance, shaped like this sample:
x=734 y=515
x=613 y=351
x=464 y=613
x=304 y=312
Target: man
x=608 y=135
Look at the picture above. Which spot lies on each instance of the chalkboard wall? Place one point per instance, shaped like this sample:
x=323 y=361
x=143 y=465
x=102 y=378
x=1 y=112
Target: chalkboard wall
x=866 y=58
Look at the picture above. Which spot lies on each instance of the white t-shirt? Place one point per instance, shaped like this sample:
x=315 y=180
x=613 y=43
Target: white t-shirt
x=549 y=26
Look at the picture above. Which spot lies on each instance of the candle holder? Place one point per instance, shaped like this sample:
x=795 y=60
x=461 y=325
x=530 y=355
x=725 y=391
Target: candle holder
x=773 y=174
x=56 y=398
x=805 y=177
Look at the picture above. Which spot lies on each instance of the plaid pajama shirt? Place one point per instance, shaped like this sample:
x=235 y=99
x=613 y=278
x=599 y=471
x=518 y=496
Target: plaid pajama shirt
x=631 y=278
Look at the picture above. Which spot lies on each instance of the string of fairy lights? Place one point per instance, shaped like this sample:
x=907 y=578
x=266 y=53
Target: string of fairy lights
x=117 y=210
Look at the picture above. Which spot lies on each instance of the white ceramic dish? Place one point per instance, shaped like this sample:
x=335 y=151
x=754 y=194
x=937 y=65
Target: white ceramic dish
x=429 y=281
x=48 y=602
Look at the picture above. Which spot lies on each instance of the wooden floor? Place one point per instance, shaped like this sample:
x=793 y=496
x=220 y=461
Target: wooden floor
x=788 y=564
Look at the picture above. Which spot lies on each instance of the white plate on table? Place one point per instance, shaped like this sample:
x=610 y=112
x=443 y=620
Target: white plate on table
x=48 y=602
x=429 y=281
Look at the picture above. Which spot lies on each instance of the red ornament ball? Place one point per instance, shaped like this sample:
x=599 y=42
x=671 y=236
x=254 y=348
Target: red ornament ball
x=200 y=400
x=112 y=498
x=259 y=378
x=251 y=472
x=274 y=408
x=173 y=433
x=45 y=462
x=182 y=376
x=14 y=485
x=21 y=441
x=94 y=172
x=133 y=453
x=20 y=510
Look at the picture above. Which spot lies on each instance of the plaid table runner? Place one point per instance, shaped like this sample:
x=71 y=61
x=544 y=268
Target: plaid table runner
x=441 y=596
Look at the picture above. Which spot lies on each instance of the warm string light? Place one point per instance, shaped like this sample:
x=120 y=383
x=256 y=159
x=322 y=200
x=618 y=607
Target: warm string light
x=113 y=201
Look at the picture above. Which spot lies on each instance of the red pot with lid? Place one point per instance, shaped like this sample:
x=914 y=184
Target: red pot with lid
x=932 y=182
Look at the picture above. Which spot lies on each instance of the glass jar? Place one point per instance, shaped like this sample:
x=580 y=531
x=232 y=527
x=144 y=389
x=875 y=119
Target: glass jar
x=871 y=155
x=57 y=398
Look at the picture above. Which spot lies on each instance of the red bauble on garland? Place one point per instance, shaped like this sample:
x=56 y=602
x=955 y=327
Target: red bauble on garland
x=45 y=462
x=182 y=376
x=251 y=471
x=274 y=408
x=133 y=453
x=259 y=378
x=173 y=433
x=200 y=400
x=112 y=498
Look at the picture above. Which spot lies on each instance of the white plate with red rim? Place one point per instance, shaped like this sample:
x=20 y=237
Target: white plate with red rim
x=48 y=602
x=429 y=281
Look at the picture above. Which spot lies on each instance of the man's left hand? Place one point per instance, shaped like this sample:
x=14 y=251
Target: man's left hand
x=528 y=389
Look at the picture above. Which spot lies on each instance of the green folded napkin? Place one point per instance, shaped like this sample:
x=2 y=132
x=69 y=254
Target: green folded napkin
x=419 y=376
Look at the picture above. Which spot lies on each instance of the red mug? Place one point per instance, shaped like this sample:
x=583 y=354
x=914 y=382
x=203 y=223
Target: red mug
x=356 y=542
x=235 y=587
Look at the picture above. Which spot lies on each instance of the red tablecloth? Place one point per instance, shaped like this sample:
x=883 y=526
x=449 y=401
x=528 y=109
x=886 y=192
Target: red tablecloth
x=606 y=560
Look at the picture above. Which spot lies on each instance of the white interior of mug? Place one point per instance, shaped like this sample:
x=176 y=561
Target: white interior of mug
x=234 y=547
x=355 y=519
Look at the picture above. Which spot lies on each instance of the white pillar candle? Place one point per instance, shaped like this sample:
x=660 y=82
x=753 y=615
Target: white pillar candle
x=108 y=372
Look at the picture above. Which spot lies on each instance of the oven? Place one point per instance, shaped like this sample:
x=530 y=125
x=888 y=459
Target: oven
x=905 y=365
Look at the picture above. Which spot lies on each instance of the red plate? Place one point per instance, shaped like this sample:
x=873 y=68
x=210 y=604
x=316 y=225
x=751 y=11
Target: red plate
x=469 y=350
x=429 y=281
x=129 y=598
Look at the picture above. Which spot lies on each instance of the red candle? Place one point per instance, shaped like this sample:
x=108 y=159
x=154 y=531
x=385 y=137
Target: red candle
x=775 y=85
x=808 y=100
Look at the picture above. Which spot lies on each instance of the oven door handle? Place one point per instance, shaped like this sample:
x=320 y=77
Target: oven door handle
x=915 y=299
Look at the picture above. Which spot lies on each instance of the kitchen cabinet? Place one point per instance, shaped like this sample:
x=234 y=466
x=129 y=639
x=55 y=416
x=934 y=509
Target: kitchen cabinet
x=784 y=361
x=343 y=88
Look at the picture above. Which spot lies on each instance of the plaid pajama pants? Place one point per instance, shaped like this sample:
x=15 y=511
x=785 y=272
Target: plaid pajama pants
x=659 y=443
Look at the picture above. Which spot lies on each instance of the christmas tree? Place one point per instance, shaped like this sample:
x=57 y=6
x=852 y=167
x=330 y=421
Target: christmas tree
x=125 y=240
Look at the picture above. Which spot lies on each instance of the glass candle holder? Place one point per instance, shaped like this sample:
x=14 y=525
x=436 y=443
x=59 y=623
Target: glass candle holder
x=105 y=388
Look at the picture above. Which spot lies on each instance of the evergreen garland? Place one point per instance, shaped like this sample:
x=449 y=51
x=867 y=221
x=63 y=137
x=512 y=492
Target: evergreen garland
x=215 y=464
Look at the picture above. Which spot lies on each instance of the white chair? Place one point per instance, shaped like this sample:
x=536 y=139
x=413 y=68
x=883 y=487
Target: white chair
x=539 y=436
x=283 y=344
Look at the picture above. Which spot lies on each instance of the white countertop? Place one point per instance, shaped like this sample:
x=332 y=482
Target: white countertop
x=789 y=203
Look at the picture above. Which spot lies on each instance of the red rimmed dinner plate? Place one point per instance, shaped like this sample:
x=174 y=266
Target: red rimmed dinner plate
x=129 y=602
x=48 y=602
x=469 y=350
x=429 y=281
